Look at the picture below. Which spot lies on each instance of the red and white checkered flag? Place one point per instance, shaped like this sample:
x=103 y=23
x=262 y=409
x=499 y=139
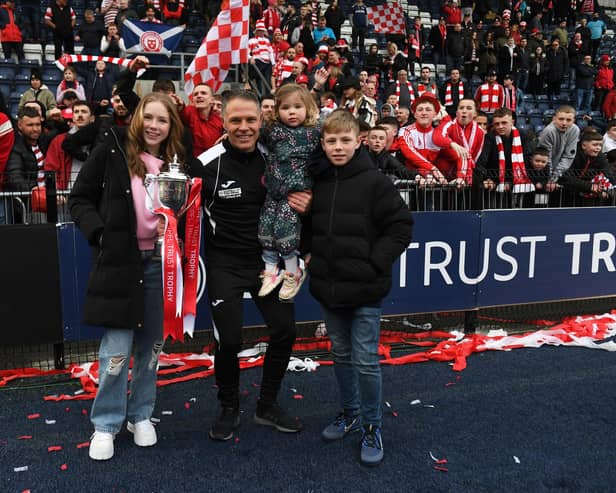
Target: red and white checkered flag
x=225 y=44
x=388 y=18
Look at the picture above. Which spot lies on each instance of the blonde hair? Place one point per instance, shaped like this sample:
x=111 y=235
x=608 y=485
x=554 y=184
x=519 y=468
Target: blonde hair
x=340 y=120
x=312 y=110
x=135 y=143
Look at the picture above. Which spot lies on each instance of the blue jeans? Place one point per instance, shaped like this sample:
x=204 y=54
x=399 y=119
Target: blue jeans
x=354 y=333
x=112 y=405
x=584 y=97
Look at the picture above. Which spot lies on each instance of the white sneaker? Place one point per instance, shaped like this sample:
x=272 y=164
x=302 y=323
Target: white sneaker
x=291 y=284
x=270 y=280
x=101 y=445
x=143 y=432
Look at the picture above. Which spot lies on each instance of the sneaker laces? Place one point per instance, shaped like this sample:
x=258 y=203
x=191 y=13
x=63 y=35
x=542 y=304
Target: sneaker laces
x=370 y=439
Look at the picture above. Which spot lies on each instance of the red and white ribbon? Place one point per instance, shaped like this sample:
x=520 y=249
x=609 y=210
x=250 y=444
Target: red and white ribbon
x=192 y=245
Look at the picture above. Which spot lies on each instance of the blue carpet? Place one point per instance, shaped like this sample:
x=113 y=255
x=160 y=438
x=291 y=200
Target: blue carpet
x=553 y=408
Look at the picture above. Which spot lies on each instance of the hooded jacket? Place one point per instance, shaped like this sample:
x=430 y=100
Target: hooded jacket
x=359 y=226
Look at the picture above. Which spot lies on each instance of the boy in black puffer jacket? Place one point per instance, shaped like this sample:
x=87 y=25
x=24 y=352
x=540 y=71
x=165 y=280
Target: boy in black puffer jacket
x=360 y=226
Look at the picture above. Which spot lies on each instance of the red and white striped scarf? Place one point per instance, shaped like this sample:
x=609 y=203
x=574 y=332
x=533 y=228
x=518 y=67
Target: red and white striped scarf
x=468 y=164
x=510 y=98
x=411 y=92
x=521 y=182
x=489 y=97
x=449 y=96
x=423 y=88
x=40 y=163
x=63 y=85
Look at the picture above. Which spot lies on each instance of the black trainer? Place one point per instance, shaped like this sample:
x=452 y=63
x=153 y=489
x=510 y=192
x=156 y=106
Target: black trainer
x=274 y=415
x=225 y=424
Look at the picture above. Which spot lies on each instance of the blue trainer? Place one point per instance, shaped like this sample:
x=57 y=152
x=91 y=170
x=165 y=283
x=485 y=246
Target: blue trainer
x=372 y=446
x=343 y=424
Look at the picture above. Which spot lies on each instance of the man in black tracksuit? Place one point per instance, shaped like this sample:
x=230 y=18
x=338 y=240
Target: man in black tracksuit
x=233 y=194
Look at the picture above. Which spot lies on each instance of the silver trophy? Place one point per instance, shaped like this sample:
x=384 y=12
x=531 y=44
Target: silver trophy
x=168 y=190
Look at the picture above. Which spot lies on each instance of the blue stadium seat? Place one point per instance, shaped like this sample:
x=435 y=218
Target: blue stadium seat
x=535 y=117
x=52 y=76
x=5 y=88
x=21 y=87
x=7 y=73
x=529 y=101
x=13 y=109
x=543 y=102
x=539 y=128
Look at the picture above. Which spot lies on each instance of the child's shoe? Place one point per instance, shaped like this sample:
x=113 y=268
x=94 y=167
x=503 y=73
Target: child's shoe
x=270 y=280
x=291 y=284
x=101 y=446
x=341 y=426
x=144 y=433
x=371 y=446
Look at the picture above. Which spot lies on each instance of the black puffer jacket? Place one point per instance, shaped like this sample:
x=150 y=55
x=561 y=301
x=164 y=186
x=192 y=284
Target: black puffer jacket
x=359 y=226
x=101 y=203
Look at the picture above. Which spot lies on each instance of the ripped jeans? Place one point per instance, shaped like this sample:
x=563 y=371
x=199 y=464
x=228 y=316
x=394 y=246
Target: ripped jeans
x=112 y=404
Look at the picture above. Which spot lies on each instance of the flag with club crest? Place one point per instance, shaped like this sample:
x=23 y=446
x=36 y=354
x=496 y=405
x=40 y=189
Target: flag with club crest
x=225 y=44
x=150 y=39
x=387 y=18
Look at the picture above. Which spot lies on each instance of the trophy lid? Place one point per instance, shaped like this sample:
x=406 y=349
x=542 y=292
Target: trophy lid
x=174 y=172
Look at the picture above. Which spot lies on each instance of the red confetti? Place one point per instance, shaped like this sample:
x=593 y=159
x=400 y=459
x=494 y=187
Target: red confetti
x=449 y=384
x=67 y=409
x=25 y=491
x=24 y=437
x=298 y=396
x=187 y=405
x=64 y=467
x=83 y=444
x=245 y=392
x=255 y=385
x=84 y=412
x=395 y=413
x=237 y=439
x=458 y=378
x=441 y=461
x=34 y=416
x=54 y=448
x=442 y=469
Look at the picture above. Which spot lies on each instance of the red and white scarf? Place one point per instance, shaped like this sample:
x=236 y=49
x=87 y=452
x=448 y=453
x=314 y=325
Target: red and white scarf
x=64 y=88
x=40 y=163
x=489 y=99
x=449 y=96
x=521 y=182
x=411 y=92
x=423 y=88
x=510 y=98
x=467 y=165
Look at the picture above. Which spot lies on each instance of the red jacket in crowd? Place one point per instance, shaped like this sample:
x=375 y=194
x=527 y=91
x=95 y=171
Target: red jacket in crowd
x=605 y=78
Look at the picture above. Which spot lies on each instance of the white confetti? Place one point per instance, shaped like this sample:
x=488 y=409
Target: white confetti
x=50 y=421
x=294 y=390
x=516 y=459
x=387 y=404
x=155 y=420
x=415 y=402
x=429 y=405
x=167 y=413
x=20 y=469
x=78 y=392
x=193 y=399
x=433 y=458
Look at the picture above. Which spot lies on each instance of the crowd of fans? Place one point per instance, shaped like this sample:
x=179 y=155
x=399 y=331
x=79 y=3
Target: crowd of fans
x=497 y=98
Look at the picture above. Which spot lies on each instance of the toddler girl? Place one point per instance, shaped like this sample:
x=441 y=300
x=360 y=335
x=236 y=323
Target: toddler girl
x=291 y=138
